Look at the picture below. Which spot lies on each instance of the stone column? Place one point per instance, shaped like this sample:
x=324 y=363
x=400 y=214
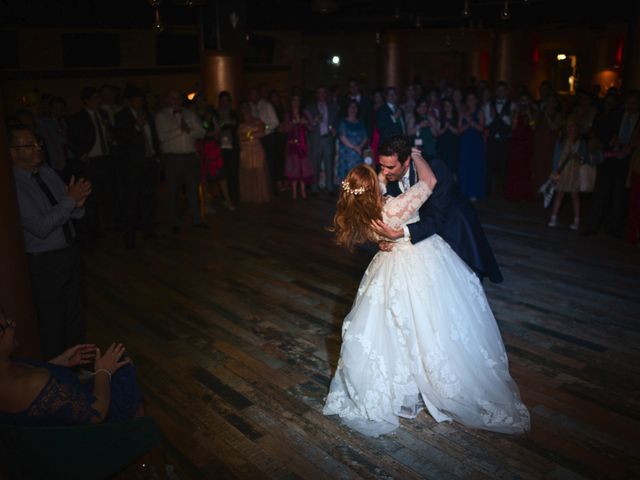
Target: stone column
x=394 y=61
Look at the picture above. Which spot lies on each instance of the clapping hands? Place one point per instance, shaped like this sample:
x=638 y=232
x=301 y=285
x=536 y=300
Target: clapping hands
x=74 y=356
x=111 y=360
x=78 y=190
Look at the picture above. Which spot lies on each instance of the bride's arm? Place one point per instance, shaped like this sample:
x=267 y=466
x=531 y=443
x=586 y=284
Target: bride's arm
x=425 y=174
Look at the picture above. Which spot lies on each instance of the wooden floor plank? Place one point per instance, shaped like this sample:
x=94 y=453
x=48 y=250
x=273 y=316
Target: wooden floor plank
x=236 y=331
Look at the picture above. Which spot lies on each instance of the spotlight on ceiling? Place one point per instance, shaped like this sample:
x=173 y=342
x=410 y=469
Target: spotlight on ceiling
x=335 y=60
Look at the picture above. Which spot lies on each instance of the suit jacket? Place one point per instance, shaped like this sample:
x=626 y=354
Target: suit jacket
x=387 y=124
x=449 y=214
x=82 y=131
x=131 y=139
x=312 y=112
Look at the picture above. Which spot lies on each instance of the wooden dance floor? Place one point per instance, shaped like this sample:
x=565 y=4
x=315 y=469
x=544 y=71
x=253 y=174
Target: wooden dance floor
x=236 y=332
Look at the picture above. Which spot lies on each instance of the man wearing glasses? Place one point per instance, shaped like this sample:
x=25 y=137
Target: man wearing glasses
x=46 y=209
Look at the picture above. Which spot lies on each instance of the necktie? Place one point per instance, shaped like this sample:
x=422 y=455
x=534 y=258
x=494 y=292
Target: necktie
x=103 y=143
x=66 y=228
x=405 y=183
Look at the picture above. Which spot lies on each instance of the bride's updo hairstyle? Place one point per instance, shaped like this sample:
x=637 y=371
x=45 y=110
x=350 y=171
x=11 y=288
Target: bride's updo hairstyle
x=358 y=205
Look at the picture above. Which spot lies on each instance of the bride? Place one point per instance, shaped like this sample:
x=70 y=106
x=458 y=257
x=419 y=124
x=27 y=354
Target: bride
x=420 y=332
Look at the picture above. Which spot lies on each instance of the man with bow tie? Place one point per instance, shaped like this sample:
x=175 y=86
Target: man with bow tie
x=498 y=122
x=178 y=129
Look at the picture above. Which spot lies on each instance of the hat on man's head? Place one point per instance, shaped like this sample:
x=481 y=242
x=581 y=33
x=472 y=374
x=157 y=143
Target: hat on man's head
x=131 y=91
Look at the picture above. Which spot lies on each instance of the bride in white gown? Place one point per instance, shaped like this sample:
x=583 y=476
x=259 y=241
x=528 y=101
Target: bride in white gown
x=420 y=332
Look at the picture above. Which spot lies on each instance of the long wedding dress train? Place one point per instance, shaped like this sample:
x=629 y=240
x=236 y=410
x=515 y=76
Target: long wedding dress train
x=421 y=330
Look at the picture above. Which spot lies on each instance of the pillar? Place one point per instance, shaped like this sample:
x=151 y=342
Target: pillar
x=394 y=61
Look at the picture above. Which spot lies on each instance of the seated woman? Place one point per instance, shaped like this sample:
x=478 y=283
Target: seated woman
x=49 y=393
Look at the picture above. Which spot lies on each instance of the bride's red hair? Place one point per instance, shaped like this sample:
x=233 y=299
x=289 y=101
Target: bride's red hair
x=359 y=203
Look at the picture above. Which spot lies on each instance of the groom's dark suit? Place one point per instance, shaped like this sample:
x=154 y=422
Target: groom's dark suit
x=449 y=214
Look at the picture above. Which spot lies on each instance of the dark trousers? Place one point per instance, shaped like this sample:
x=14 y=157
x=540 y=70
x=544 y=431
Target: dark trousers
x=610 y=196
x=231 y=165
x=270 y=146
x=497 y=153
x=56 y=279
x=140 y=184
x=98 y=206
x=183 y=170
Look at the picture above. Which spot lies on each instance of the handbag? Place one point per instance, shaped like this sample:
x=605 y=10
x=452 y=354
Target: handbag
x=548 y=188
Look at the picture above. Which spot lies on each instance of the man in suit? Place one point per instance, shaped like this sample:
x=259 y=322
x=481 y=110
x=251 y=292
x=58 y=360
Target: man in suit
x=322 y=118
x=390 y=117
x=89 y=139
x=135 y=132
x=446 y=213
x=610 y=194
x=498 y=122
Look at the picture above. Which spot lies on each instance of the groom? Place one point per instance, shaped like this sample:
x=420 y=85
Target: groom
x=446 y=213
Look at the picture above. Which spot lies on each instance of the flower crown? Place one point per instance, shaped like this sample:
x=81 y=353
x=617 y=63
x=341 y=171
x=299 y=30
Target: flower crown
x=353 y=191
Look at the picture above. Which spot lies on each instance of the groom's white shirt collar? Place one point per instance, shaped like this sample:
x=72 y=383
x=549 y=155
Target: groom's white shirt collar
x=407 y=176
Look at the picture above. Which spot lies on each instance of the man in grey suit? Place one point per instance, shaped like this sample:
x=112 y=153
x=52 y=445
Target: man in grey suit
x=322 y=118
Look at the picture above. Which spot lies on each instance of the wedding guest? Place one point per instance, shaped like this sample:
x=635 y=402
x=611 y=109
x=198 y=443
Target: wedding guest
x=422 y=129
x=322 y=118
x=178 y=130
x=46 y=207
x=519 y=170
x=135 y=132
x=226 y=118
x=353 y=138
x=49 y=394
x=499 y=133
x=365 y=105
x=472 y=166
x=448 y=137
x=90 y=140
x=53 y=128
x=298 y=168
x=545 y=134
x=255 y=185
x=389 y=117
x=264 y=110
x=571 y=151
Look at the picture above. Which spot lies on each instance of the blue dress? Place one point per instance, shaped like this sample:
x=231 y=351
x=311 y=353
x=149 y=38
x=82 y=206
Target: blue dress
x=347 y=157
x=472 y=165
x=65 y=401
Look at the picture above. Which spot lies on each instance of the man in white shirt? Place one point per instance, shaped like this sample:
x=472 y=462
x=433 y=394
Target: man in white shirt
x=178 y=129
x=262 y=109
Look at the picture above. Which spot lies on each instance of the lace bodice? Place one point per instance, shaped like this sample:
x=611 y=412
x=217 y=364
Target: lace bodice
x=403 y=209
x=65 y=401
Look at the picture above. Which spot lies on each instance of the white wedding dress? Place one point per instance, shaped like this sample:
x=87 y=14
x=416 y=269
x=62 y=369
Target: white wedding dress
x=421 y=330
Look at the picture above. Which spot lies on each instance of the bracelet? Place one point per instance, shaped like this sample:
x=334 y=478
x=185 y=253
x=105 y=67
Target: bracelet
x=103 y=370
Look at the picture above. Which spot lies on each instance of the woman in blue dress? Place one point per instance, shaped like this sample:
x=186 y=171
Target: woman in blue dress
x=353 y=138
x=50 y=394
x=472 y=167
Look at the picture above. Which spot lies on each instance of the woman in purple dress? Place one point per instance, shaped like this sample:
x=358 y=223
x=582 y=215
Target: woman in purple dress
x=298 y=169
